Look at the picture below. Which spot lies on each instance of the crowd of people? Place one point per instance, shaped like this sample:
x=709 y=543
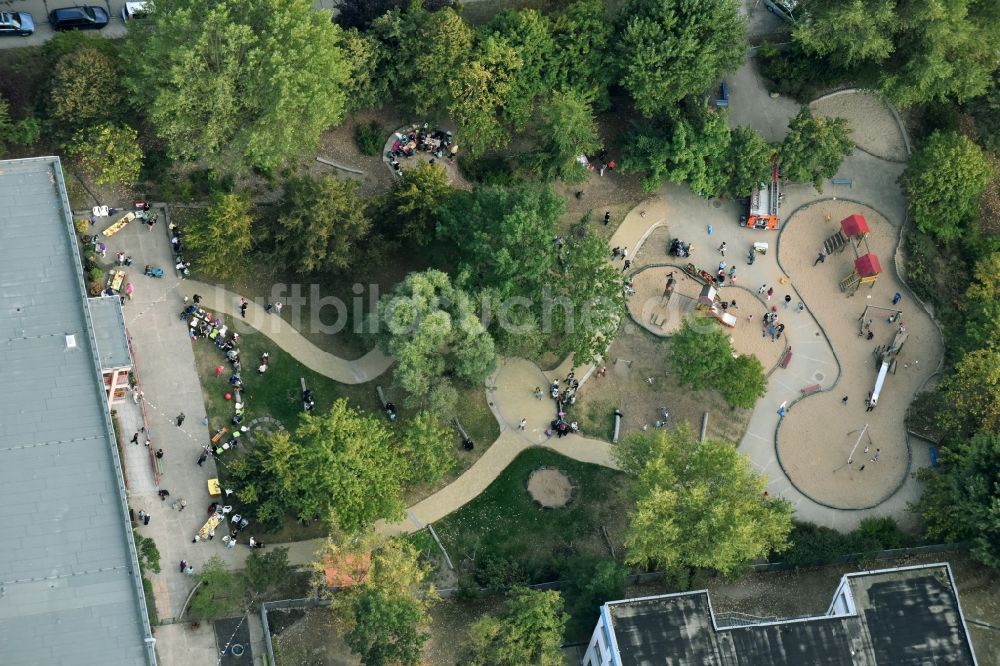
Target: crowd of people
x=437 y=143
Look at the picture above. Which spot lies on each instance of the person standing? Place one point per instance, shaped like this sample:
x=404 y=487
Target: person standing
x=159 y=454
x=277 y=308
x=843 y=401
x=770 y=292
x=202 y=458
x=190 y=570
x=184 y=565
x=821 y=257
x=722 y=248
x=607 y=217
x=180 y=419
x=896 y=298
x=523 y=424
x=129 y=290
x=626 y=266
x=243 y=307
x=135 y=439
x=762 y=289
x=625 y=252
x=788 y=300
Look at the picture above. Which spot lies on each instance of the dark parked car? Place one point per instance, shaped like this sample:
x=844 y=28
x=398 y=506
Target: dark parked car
x=16 y=23
x=78 y=18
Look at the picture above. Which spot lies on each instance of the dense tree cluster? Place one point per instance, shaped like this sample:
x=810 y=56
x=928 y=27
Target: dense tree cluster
x=702 y=356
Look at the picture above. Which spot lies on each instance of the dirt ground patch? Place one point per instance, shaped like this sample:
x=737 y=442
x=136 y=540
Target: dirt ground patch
x=551 y=488
x=314 y=640
x=873 y=127
x=816 y=439
x=635 y=357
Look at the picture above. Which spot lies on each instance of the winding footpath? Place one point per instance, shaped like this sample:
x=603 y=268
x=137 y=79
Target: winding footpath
x=510 y=389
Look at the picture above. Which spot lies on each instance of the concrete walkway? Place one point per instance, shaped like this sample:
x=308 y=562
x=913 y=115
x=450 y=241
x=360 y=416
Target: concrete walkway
x=216 y=298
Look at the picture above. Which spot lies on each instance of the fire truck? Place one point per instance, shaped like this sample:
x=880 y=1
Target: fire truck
x=762 y=211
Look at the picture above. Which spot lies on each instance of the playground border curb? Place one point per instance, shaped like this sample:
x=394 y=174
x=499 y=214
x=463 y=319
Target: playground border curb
x=777 y=430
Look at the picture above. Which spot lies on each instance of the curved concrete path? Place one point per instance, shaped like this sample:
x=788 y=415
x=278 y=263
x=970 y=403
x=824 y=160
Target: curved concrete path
x=216 y=298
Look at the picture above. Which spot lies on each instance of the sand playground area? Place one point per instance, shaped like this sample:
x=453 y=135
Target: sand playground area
x=820 y=433
x=873 y=127
x=550 y=488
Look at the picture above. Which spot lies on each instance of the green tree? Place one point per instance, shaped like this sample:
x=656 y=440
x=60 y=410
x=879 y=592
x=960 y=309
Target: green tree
x=416 y=200
x=149 y=554
x=851 y=32
x=943 y=52
x=109 y=154
x=749 y=161
x=685 y=150
x=528 y=33
x=698 y=505
x=429 y=326
x=433 y=53
x=980 y=307
x=239 y=83
x=368 y=59
x=220 y=238
x=321 y=223
x=22 y=132
x=264 y=572
x=582 y=35
x=961 y=501
x=814 y=148
x=943 y=182
x=502 y=238
x=669 y=49
x=426 y=444
x=528 y=631
x=700 y=354
x=219 y=593
x=744 y=382
x=85 y=90
x=589 y=584
x=386 y=616
x=480 y=91
x=970 y=395
x=567 y=130
x=593 y=291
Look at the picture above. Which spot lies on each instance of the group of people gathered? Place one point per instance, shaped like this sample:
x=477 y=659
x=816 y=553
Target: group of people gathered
x=436 y=142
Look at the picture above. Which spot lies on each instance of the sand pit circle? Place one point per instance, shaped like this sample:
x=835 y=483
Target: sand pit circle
x=550 y=488
x=873 y=127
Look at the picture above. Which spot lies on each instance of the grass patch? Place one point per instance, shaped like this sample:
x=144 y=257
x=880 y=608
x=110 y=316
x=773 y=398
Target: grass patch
x=504 y=523
x=597 y=419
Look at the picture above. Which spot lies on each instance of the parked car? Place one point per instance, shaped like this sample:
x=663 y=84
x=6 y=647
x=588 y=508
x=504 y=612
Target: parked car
x=783 y=9
x=78 y=18
x=16 y=23
x=134 y=10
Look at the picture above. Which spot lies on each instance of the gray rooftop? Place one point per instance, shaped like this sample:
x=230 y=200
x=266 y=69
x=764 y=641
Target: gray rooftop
x=109 y=332
x=899 y=617
x=70 y=591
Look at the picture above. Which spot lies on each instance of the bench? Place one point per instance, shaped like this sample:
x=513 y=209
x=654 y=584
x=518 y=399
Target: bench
x=843 y=181
x=812 y=388
x=786 y=358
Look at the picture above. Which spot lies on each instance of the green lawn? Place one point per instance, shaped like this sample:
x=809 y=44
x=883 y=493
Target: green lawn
x=504 y=522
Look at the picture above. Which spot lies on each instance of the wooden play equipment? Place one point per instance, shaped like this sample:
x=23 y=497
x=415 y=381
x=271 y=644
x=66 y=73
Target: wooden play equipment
x=853 y=229
x=854 y=232
x=762 y=212
x=708 y=301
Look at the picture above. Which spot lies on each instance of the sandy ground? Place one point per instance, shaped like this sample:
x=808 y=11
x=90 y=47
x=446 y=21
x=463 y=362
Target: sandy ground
x=550 y=488
x=649 y=308
x=817 y=437
x=873 y=127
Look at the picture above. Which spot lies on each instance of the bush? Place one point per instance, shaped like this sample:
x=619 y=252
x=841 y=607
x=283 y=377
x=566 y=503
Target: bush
x=813 y=545
x=370 y=138
x=499 y=573
x=491 y=170
x=96 y=274
x=81 y=226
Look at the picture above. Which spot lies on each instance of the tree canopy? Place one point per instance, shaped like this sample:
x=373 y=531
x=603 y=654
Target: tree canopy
x=582 y=36
x=110 y=154
x=970 y=394
x=700 y=353
x=415 y=203
x=749 y=161
x=980 y=306
x=567 y=130
x=430 y=327
x=386 y=614
x=961 y=501
x=698 y=504
x=943 y=182
x=432 y=53
x=480 y=92
x=342 y=466
x=220 y=238
x=321 y=222
x=814 y=148
x=528 y=33
x=851 y=31
x=239 y=83
x=85 y=90
x=528 y=631
x=669 y=49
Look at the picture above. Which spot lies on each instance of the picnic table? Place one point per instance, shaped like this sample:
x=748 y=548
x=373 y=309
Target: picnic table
x=119 y=225
x=116 y=279
x=208 y=529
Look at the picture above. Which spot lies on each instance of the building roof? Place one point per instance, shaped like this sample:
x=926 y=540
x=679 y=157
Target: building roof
x=854 y=224
x=868 y=265
x=70 y=588
x=109 y=332
x=900 y=617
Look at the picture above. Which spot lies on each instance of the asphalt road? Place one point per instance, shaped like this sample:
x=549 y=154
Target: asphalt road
x=39 y=10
